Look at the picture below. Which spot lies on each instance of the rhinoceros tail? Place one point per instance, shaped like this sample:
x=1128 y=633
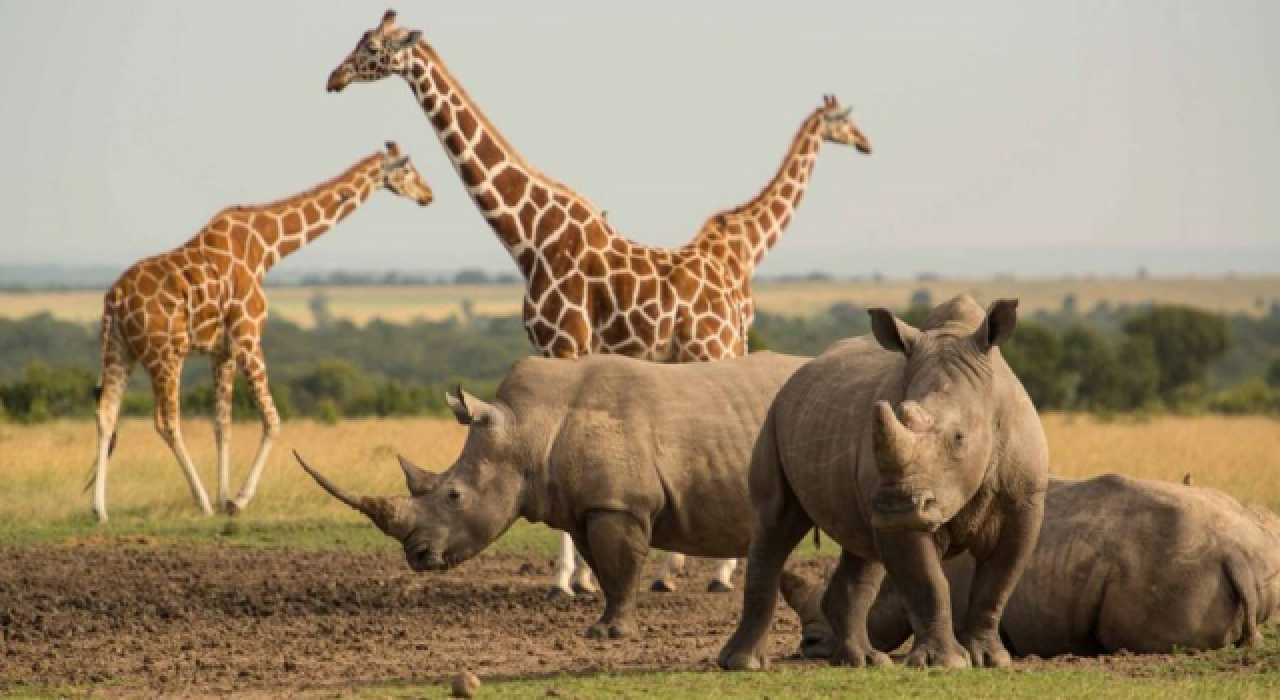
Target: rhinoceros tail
x=1241 y=577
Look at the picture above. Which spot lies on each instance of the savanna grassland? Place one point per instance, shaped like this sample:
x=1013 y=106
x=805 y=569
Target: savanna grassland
x=300 y=597
x=1247 y=295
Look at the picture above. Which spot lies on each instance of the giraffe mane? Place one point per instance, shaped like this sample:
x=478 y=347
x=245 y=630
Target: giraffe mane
x=309 y=193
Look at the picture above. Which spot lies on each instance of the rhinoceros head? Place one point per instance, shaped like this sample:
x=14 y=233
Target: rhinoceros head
x=449 y=517
x=935 y=448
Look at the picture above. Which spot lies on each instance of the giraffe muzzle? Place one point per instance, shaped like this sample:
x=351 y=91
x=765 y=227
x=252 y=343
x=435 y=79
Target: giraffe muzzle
x=338 y=79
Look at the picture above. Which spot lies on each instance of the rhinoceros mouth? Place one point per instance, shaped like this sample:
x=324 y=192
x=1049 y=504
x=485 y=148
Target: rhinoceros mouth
x=424 y=559
x=900 y=511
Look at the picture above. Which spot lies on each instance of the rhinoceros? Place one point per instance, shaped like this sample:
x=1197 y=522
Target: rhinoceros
x=963 y=469
x=620 y=453
x=1122 y=564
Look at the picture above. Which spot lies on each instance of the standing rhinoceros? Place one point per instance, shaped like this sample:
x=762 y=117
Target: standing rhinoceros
x=621 y=454
x=964 y=468
x=1122 y=563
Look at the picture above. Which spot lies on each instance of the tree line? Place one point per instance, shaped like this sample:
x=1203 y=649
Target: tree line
x=1108 y=360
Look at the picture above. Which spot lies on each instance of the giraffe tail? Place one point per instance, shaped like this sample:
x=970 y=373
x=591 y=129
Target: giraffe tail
x=109 y=306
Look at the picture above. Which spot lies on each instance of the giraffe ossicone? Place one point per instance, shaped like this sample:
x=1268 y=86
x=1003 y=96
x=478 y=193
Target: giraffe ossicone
x=206 y=296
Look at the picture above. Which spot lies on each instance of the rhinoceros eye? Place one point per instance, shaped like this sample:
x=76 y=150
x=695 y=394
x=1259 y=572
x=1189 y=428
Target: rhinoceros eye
x=455 y=495
x=958 y=438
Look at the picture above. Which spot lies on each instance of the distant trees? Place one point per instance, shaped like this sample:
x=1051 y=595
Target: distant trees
x=1110 y=359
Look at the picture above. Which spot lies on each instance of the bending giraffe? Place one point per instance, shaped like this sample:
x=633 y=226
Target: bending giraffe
x=206 y=296
x=587 y=289
x=740 y=237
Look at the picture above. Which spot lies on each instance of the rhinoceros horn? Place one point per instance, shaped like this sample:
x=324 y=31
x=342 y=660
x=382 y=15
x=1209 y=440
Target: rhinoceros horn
x=384 y=512
x=893 y=442
x=419 y=480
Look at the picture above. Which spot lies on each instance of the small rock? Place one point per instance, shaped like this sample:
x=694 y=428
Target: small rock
x=465 y=685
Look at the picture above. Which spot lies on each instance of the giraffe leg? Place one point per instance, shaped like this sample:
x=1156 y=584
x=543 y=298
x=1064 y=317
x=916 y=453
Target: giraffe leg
x=723 y=580
x=167 y=389
x=116 y=368
x=254 y=365
x=672 y=565
x=583 y=581
x=563 y=585
x=224 y=374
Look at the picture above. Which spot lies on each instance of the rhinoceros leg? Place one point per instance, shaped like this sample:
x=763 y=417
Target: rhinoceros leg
x=779 y=523
x=846 y=604
x=993 y=583
x=916 y=571
x=617 y=544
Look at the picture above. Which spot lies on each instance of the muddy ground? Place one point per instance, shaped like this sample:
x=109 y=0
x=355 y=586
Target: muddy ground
x=211 y=620
x=135 y=619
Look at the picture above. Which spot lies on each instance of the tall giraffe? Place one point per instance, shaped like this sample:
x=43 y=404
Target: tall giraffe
x=740 y=237
x=587 y=288
x=206 y=296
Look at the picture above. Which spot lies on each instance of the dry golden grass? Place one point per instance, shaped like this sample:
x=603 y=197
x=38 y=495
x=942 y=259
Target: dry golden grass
x=400 y=304
x=43 y=468
x=1238 y=455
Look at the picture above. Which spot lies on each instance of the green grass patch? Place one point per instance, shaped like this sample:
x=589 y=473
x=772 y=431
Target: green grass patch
x=305 y=533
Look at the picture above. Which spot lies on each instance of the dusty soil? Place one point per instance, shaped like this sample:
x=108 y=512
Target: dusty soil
x=212 y=620
x=138 y=618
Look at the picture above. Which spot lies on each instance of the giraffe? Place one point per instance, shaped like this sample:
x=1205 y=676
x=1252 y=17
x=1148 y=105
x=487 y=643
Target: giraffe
x=740 y=237
x=206 y=296
x=587 y=288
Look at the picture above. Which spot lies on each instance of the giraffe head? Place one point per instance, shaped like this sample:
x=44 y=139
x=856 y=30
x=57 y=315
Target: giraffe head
x=838 y=126
x=382 y=51
x=400 y=177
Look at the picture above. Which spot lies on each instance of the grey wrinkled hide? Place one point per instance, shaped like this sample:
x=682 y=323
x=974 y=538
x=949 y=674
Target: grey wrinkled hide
x=905 y=449
x=621 y=454
x=1122 y=564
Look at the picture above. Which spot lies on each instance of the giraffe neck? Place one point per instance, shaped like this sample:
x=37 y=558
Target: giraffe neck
x=512 y=195
x=749 y=231
x=282 y=227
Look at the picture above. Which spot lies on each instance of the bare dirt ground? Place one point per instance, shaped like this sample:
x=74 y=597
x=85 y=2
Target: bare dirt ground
x=214 y=620
x=132 y=618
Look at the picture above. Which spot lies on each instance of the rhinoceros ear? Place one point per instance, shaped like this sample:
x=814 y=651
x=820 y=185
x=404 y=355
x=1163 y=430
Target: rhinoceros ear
x=468 y=409
x=458 y=404
x=1001 y=319
x=892 y=334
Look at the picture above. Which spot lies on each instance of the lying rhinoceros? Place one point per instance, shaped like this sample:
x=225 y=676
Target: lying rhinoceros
x=621 y=454
x=964 y=468
x=1142 y=566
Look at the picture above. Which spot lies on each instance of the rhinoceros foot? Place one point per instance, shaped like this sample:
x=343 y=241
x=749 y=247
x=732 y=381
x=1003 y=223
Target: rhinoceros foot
x=619 y=629
x=987 y=651
x=663 y=585
x=858 y=654
x=718 y=586
x=748 y=660
x=938 y=653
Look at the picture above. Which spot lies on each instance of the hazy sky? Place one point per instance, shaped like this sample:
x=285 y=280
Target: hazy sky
x=1009 y=136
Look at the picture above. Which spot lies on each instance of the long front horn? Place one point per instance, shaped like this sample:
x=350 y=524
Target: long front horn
x=382 y=511
x=894 y=443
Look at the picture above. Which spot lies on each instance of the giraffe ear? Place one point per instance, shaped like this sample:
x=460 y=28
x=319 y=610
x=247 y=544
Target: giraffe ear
x=844 y=114
x=397 y=163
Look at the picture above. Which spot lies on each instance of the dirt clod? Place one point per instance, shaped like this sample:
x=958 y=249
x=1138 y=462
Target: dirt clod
x=465 y=685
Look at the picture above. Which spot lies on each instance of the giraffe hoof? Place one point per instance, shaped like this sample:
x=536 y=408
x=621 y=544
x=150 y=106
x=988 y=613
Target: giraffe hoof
x=718 y=586
x=663 y=586
x=236 y=507
x=558 y=594
x=581 y=588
